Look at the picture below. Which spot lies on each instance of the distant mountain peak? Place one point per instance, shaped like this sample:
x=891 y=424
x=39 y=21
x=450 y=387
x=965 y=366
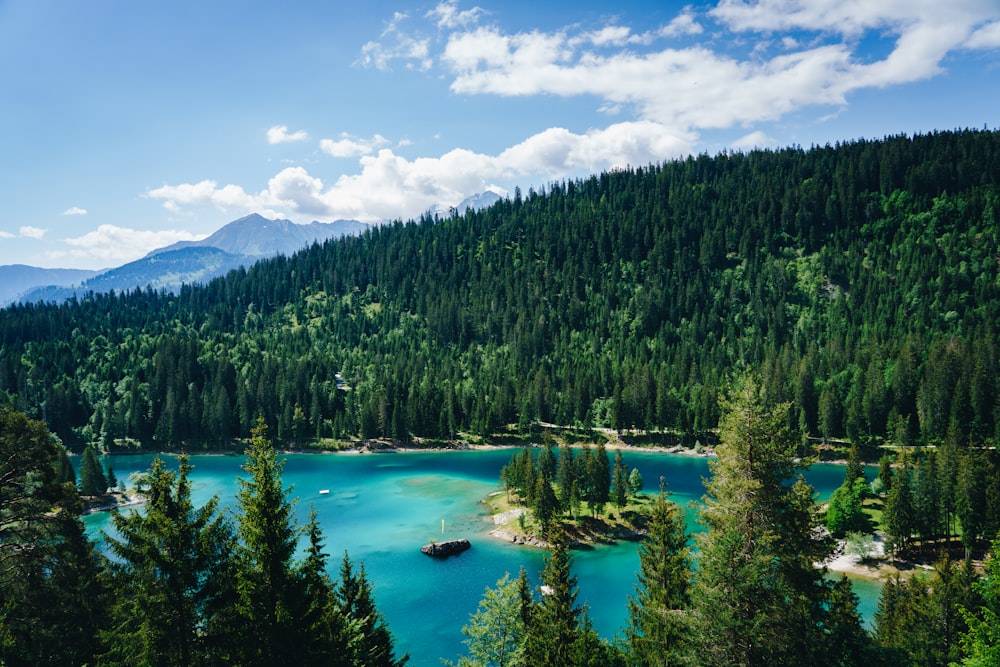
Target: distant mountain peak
x=474 y=202
x=254 y=235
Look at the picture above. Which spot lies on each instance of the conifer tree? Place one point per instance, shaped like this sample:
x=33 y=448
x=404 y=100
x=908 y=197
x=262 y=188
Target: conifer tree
x=373 y=644
x=658 y=627
x=981 y=641
x=52 y=597
x=855 y=468
x=619 y=482
x=330 y=634
x=546 y=504
x=269 y=588
x=92 y=479
x=919 y=619
x=172 y=574
x=565 y=476
x=555 y=619
x=559 y=632
x=598 y=479
x=758 y=599
x=885 y=472
x=547 y=461
x=64 y=468
x=898 y=515
x=526 y=473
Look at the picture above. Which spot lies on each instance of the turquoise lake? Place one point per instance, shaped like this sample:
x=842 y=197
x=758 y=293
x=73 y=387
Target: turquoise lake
x=382 y=508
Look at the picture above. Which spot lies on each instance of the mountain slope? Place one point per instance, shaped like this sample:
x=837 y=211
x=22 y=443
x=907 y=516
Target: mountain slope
x=15 y=279
x=164 y=271
x=860 y=282
x=256 y=236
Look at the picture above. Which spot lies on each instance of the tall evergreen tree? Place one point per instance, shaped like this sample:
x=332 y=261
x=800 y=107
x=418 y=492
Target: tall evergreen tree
x=885 y=473
x=546 y=504
x=269 y=589
x=620 y=486
x=919 y=620
x=92 y=479
x=899 y=516
x=173 y=577
x=565 y=476
x=373 y=645
x=758 y=598
x=658 y=630
x=598 y=479
x=51 y=595
x=845 y=641
x=326 y=625
x=981 y=641
x=555 y=619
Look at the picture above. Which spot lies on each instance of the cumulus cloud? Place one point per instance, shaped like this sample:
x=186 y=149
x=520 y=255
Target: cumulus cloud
x=695 y=87
x=704 y=86
x=448 y=15
x=986 y=37
x=760 y=60
x=279 y=134
x=6 y=235
x=684 y=23
x=29 y=232
x=109 y=244
x=75 y=210
x=756 y=139
x=351 y=146
x=392 y=186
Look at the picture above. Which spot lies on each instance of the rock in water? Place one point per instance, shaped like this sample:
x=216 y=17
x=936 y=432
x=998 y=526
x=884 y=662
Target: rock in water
x=444 y=549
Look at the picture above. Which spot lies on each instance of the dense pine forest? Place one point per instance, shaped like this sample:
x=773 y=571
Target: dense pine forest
x=845 y=292
x=860 y=281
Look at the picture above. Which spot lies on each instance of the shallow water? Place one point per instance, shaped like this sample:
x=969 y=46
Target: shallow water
x=382 y=507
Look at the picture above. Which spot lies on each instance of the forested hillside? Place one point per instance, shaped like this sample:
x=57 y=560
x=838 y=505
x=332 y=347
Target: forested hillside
x=859 y=281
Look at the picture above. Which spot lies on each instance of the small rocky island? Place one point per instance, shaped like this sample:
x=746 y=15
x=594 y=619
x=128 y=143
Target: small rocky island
x=445 y=549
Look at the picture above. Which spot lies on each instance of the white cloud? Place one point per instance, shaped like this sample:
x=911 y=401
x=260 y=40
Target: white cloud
x=75 y=210
x=844 y=17
x=683 y=24
x=612 y=35
x=108 y=244
x=29 y=232
x=6 y=235
x=448 y=15
x=986 y=37
x=396 y=45
x=351 y=146
x=694 y=87
x=762 y=60
x=279 y=134
x=391 y=186
x=756 y=139
x=702 y=86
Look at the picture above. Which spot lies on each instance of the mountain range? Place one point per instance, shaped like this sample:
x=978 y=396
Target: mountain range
x=241 y=242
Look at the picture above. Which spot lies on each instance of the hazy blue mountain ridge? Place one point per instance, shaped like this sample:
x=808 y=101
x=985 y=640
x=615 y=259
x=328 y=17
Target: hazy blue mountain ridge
x=162 y=271
x=16 y=279
x=238 y=243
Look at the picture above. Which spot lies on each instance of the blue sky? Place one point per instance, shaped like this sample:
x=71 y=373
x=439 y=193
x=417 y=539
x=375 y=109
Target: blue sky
x=126 y=126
